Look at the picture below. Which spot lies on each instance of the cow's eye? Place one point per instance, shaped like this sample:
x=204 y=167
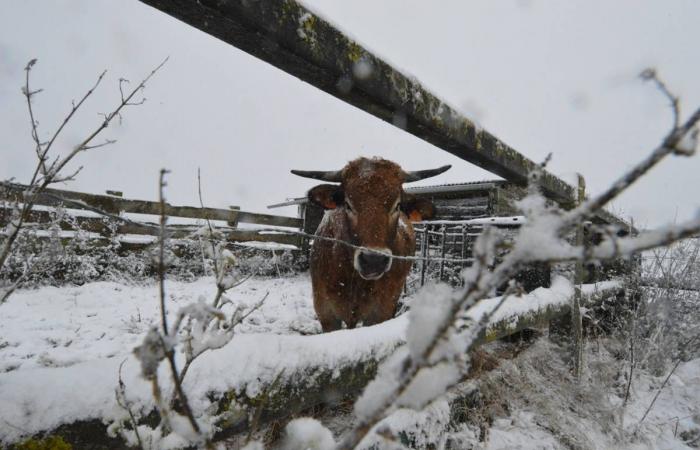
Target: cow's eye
x=397 y=207
x=348 y=207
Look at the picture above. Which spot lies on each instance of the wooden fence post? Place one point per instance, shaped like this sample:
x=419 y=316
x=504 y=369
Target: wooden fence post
x=577 y=323
x=233 y=223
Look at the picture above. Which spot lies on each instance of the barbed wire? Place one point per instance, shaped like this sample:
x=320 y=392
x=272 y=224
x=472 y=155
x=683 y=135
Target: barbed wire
x=360 y=247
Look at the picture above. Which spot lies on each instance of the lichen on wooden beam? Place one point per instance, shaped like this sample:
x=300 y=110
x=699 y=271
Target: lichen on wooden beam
x=287 y=35
x=292 y=38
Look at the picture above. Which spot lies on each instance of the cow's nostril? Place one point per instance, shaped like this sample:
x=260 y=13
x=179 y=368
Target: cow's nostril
x=374 y=262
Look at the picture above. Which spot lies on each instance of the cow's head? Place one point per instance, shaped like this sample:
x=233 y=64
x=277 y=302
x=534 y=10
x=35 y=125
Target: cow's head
x=372 y=200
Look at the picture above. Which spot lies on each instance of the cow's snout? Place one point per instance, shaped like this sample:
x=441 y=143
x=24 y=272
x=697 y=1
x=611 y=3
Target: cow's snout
x=372 y=265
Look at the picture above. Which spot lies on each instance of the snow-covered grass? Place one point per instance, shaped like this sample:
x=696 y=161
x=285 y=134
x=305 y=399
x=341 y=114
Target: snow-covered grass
x=60 y=351
x=62 y=348
x=62 y=326
x=548 y=409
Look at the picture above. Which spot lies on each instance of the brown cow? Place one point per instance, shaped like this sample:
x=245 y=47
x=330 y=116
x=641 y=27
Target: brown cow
x=370 y=209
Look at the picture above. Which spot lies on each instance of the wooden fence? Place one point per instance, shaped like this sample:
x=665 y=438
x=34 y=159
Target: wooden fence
x=113 y=219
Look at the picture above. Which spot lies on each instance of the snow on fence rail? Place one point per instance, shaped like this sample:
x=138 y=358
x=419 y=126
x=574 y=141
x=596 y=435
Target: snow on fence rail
x=115 y=206
x=255 y=377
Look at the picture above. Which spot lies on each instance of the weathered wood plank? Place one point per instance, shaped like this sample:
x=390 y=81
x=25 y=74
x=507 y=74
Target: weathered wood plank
x=108 y=227
x=292 y=38
x=116 y=205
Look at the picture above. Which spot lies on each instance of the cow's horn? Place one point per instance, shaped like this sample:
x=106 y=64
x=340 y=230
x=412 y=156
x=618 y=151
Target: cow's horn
x=423 y=174
x=333 y=177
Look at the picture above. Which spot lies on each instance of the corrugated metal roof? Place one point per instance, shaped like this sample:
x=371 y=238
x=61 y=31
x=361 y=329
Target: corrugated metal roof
x=432 y=189
x=455 y=187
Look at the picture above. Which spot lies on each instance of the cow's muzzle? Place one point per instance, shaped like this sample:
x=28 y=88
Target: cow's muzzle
x=371 y=265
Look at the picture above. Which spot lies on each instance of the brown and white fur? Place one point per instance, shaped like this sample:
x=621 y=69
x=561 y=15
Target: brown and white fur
x=369 y=208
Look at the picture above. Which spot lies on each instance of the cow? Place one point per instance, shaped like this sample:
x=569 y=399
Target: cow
x=369 y=209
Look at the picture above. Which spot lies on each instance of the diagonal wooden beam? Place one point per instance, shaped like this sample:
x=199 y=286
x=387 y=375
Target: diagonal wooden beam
x=292 y=38
x=295 y=40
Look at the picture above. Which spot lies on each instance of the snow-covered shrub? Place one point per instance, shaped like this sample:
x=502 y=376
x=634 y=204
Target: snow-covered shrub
x=59 y=259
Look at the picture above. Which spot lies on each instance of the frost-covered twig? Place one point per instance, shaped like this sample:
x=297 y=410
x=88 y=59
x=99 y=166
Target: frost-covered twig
x=161 y=252
x=651 y=75
x=204 y=327
x=160 y=345
x=120 y=396
x=437 y=349
x=207 y=315
x=222 y=258
x=673 y=143
x=167 y=340
x=540 y=239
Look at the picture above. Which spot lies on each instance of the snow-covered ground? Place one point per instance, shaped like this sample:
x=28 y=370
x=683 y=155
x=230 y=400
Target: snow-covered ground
x=548 y=409
x=60 y=349
x=62 y=326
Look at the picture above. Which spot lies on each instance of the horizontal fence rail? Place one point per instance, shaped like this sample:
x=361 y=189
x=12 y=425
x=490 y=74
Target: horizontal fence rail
x=117 y=205
x=114 y=223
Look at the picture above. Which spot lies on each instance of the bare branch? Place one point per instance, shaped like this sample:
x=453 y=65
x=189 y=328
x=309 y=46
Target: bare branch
x=6 y=292
x=108 y=118
x=122 y=81
x=161 y=252
x=70 y=177
x=74 y=109
x=103 y=144
x=28 y=93
x=651 y=75
x=668 y=146
x=140 y=102
x=51 y=174
x=120 y=395
x=483 y=281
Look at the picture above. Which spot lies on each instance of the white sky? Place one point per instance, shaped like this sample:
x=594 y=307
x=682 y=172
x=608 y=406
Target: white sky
x=544 y=76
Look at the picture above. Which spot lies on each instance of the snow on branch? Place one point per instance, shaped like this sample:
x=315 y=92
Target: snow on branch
x=199 y=327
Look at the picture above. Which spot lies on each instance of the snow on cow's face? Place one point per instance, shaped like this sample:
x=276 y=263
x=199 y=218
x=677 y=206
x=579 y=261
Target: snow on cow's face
x=373 y=203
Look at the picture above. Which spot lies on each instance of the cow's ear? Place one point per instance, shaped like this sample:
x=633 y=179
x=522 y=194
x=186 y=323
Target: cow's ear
x=417 y=209
x=327 y=196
